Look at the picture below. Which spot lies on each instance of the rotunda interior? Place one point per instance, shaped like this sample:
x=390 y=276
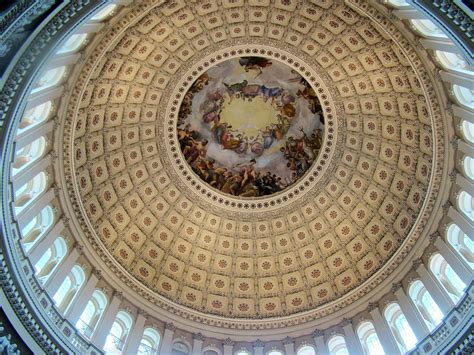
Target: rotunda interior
x=237 y=177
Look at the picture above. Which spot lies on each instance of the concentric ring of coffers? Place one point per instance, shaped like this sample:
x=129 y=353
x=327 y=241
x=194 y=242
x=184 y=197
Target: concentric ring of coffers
x=188 y=248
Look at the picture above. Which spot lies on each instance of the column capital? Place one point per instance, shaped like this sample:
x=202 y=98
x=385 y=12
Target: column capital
x=288 y=340
x=117 y=294
x=317 y=333
x=97 y=273
x=228 y=342
x=258 y=344
x=416 y=263
x=372 y=305
x=396 y=286
x=198 y=336
x=345 y=322
x=433 y=237
x=170 y=326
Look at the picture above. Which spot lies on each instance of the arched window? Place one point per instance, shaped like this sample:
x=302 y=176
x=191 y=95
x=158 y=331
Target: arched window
x=337 y=346
x=447 y=277
x=468 y=167
x=35 y=116
x=37 y=227
x=460 y=242
x=179 y=348
x=369 y=339
x=467 y=129
x=118 y=333
x=466 y=204
x=150 y=342
x=50 y=78
x=306 y=350
x=104 y=13
x=69 y=288
x=425 y=304
x=454 y=62
x=465 y=96
x=92 y=313
x=398 y=3
x=72 y=44
x=210 y=352
x=400 y=328
x=25 y=194
x=428 y=29
x=29 y=154
x=51 y=258
x=274 y=352
x=243 y=352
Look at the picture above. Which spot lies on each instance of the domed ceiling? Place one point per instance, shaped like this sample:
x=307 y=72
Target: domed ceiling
x=252 y=159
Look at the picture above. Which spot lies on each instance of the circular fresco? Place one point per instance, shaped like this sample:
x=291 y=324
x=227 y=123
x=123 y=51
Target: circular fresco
x=250 y=126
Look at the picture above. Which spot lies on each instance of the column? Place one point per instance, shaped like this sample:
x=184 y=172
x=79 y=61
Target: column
x=228 y=346
x=440 y=45
x=289 y=345
x=436 y=291
x=53 y=283
x=457 y=79
x=258 y=347
x=198 y=339
x=321 y=347
x=461 y=222
x=83 y=297
x=104 y=325
x=90 y=28
x=40 y=247
x=136 y=334
x=464 y=272
x=27 y=214
x=44 y=96
x=31 y=135
x=63 y=59
x=167 y=339
x=409 y=14
x=412 y=314
x=353 y=344
x=384 y=334
x=25 y=175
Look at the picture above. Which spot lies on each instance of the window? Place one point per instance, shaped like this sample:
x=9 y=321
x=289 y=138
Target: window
x=104 y=13
x=468 y=167
x=398 y=3
x=50 y=78
x=51 y=258
x=466 y=204
x=306 y=350
x=465 y=96
x=243 y=352
x=467 y=128
x=92 y=313
x=427 y=28
x=25 y=194
x=454 y=62
x=425 y=304
x=274 y=352
x=37 y=227
x=460 y=242
x=337 y=346
x=179 y=348
x=69 y=288
x=210 y=352
x=447 y=277
x=118 y=333
x=72 y=44
x=369 y=339
x=150 y=342
x=400 y=328
x=29 y=154
x=35 y=116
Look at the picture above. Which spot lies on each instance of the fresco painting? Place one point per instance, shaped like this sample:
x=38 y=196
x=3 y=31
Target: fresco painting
x=250 y=126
